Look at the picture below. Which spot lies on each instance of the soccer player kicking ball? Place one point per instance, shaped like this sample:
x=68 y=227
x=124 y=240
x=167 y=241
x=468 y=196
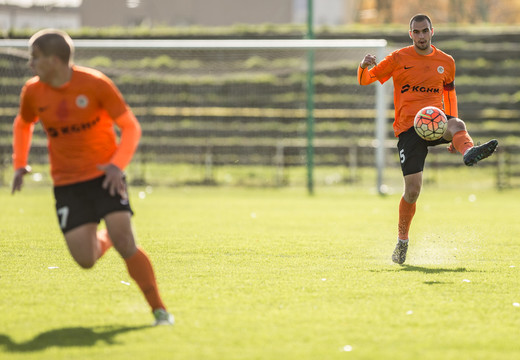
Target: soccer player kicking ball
x=422 y=76
x=78 y=108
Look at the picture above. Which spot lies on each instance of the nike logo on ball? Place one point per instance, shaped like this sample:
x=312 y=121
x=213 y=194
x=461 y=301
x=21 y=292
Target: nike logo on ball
x=407 y=67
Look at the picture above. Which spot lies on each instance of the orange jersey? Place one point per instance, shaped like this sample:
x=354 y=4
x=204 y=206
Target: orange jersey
x=79 y=120
x=419 y=81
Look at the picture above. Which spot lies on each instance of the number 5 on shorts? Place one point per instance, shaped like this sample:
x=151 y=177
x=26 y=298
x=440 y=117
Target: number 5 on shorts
x=63 y=214
x=401 y=155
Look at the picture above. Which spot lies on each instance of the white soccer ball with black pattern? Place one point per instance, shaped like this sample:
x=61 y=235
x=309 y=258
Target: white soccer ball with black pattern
x=430 y=123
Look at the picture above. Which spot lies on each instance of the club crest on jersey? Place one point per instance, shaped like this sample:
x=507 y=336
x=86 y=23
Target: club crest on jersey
x=81 y=101
x=440 y=69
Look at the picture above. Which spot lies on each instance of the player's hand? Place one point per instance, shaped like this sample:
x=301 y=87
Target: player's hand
x=369 y=60
x=18 y=178
x=114 y=180
x=451 y=149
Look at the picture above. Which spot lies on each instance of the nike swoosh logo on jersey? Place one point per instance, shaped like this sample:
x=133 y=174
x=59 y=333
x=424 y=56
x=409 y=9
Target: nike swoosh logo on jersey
x=42 y=108
x=407 y=67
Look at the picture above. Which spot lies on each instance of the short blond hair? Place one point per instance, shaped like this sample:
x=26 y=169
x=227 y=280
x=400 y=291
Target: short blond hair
x=54 y=42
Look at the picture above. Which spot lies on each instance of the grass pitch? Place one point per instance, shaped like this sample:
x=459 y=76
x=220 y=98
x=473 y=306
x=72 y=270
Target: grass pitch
x=270 y=274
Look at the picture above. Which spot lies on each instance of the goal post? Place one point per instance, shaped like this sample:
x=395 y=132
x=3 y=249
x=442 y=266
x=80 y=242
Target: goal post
x=241 y=101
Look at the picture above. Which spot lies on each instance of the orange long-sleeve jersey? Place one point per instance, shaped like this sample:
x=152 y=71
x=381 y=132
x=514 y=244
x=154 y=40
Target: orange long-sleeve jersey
x=419 y=81
x=79 y=120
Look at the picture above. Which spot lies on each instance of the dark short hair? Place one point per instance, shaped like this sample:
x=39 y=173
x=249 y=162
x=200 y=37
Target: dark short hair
x=54 y=42
x=419 y=18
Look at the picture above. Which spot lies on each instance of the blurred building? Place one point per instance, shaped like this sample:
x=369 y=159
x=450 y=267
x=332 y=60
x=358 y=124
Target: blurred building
x=103 y=13
x=38 y=17
x=213 y=12
x=441 y=11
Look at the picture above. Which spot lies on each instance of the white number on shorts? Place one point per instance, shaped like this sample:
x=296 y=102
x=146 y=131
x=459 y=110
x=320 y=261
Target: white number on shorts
x=63 y=214
x=401 y=155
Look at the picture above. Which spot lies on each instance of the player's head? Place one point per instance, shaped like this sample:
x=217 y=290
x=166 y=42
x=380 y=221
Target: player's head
x=421 y=32
x=53 y=42
x=51 y=52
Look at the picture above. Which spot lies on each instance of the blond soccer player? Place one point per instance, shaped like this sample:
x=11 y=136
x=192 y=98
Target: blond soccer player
x=78 y=108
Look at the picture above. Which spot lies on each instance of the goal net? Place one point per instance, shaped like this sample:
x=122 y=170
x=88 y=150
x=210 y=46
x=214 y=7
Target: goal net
x=233 y=111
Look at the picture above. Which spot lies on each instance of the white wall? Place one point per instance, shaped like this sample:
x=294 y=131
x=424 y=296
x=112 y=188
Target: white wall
x=326 y=12
x=34 y=19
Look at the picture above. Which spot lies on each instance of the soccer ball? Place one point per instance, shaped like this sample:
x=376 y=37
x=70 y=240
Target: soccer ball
x=430 y=123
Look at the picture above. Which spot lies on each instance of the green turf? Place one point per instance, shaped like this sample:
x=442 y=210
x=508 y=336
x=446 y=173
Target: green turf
x=270 y=274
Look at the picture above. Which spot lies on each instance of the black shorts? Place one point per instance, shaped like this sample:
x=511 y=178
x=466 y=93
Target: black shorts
x=413 y=150
x=86 y=202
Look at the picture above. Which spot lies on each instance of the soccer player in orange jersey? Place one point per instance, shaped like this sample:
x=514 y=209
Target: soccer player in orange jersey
x=423 y=76
x=78 y=108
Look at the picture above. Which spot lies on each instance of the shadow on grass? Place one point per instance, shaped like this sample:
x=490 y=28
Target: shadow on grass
x=436 y=282
x=67 y=337
x=431 y=270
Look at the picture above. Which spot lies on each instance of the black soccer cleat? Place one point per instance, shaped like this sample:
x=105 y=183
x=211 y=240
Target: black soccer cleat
x=399 y=255
x=477 y=153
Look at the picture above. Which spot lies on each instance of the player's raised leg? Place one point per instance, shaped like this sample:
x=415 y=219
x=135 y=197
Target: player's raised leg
x=138 y=263
x=463 y=143
x=480 y=152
